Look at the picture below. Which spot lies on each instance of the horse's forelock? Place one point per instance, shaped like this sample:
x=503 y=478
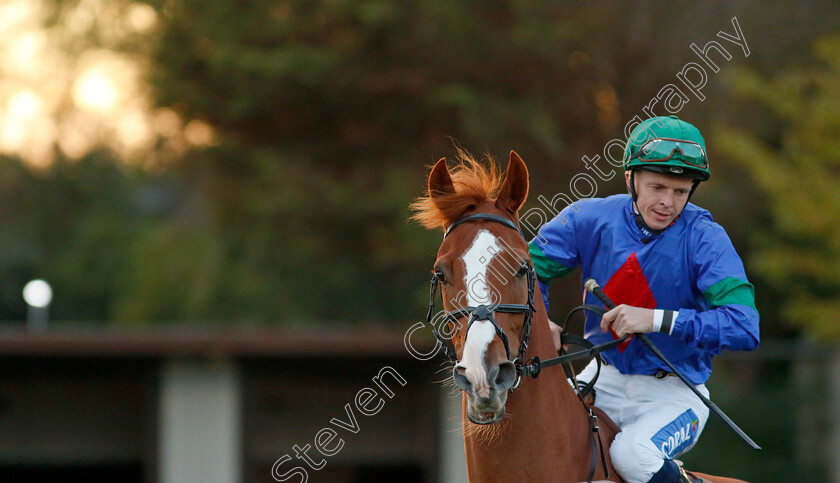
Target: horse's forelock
x=475 y=182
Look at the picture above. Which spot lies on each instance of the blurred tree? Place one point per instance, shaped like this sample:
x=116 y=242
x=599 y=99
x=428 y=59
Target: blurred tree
x=315 y=121
x=792 y=151
x=326 y=113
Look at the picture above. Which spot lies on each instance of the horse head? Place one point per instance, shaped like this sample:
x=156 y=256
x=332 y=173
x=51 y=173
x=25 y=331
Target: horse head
x=485 y=276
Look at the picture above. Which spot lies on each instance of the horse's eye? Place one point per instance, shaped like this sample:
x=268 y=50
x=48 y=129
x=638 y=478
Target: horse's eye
x=440 y=276
x=523 y=270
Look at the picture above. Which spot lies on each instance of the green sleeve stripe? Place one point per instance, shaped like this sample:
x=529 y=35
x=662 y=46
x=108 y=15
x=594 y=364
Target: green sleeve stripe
x=731 y=290
x=547 y=269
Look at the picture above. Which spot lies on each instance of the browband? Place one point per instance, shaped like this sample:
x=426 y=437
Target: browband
x=484 y=216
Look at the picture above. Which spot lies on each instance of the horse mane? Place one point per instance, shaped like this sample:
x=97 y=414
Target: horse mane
x=475 y=182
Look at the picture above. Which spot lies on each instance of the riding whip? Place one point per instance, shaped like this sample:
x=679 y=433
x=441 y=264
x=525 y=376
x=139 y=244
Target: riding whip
x=592 y=286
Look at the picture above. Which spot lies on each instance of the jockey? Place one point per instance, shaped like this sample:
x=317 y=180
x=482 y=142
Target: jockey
x=674 y=274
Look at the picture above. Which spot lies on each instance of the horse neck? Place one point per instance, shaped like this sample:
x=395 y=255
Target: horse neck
x=545 y=428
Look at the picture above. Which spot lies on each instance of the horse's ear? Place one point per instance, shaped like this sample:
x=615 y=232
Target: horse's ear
x=440 y=183
x=514 y=189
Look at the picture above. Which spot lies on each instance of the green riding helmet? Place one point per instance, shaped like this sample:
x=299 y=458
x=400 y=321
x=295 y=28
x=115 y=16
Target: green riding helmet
x=668 y=145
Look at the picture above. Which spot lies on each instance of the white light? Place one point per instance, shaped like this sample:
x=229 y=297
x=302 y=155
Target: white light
x=95 y=91
x=37 y=293
x=141 y=17
x=24 y=105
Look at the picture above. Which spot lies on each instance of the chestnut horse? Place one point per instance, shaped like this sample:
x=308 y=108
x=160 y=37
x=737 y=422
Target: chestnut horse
x=540 y=431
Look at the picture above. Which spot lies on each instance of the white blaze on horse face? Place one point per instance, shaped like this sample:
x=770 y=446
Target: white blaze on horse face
x=476 y=260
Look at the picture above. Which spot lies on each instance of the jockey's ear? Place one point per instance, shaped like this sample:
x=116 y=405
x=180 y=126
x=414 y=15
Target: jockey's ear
x=514 y=189
x=440 y=182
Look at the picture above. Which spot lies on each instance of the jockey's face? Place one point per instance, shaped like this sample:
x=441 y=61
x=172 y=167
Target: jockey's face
x=661 y=198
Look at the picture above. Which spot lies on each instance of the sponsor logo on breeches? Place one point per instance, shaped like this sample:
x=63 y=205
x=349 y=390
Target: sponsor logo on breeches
x=678 y=435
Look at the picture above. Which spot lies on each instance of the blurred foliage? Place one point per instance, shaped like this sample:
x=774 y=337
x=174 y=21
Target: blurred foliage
x=74 y=226
x=782 y=407
x=326 y=115
x=793 y=155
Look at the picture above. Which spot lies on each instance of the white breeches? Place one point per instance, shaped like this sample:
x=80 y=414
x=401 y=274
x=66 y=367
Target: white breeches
x=659 y=419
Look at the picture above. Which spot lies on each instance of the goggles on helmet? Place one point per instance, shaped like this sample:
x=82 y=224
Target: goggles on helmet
x=663 y=149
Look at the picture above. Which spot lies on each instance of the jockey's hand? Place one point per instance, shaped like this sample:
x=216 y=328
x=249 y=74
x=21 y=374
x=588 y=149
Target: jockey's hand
x=555 y=335
x=626 y=319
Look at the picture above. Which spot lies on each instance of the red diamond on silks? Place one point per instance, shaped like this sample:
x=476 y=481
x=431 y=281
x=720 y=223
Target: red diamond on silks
x=628 y=285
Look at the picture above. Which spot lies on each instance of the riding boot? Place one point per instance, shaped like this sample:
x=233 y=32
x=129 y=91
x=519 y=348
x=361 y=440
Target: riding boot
x=673 y=472
x=668 y=473
x=686 y=477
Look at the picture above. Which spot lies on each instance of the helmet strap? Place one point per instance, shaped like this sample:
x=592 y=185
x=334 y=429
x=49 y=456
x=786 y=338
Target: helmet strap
x=640 y=221
x=693 y=187
x=632 y=188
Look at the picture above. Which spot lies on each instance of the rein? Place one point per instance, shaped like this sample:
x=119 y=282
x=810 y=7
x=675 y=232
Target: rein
x=535 y=365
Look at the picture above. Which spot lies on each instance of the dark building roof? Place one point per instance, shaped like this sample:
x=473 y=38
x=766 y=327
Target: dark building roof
x=209 y=341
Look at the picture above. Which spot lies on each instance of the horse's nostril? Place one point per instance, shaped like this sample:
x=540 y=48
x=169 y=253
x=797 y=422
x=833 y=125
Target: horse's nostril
x=460 y=377
x=503 y=376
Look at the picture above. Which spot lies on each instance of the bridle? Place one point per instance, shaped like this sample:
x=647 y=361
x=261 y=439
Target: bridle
x=485 y=312
x=533 y=367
